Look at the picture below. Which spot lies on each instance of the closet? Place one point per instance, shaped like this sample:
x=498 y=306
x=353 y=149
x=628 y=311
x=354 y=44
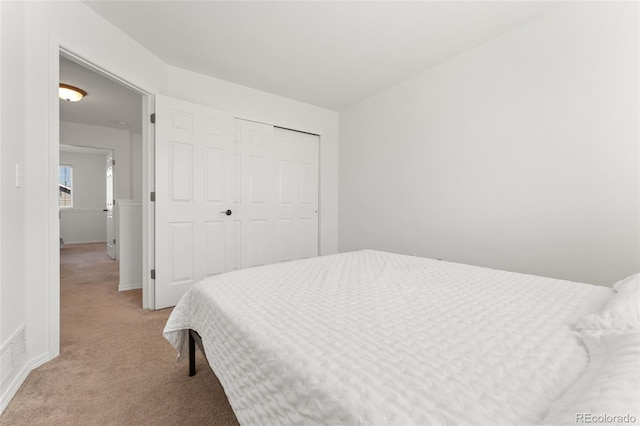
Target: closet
x=230 y=194
x=275 y=194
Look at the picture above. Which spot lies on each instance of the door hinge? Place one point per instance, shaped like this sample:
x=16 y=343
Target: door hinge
x=153 y=274
x=113 y=162
x=114 y=241
x=114 y=203
x=153 y=196
x=153 y=118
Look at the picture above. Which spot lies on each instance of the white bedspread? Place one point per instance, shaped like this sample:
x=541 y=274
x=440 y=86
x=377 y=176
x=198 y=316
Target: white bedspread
x=377 y=338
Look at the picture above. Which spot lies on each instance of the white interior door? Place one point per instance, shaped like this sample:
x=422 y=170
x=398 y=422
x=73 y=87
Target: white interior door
x=111 y=232
x=194 y=188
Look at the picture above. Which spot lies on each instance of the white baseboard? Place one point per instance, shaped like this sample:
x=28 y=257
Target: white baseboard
x=83 y=242
x=127 y=287
x=19 y=379
x=40 y=360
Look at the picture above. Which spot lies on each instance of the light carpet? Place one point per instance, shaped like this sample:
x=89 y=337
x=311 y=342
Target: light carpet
x=115 y=368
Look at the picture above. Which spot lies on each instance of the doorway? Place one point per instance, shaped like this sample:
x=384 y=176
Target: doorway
x=82 y=194
x=57 y=52
x=103 y=127
x=110 y=119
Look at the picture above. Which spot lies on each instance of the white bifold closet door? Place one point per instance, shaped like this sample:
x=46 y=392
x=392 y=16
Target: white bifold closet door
x=230 y=194
x=297 y=174
x=275 y=194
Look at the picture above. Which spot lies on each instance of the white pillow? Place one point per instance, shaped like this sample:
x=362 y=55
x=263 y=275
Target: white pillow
x=622 y=312
x=609 y=389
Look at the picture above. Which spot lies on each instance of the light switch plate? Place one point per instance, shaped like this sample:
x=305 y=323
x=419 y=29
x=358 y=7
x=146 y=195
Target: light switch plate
x=19 y=176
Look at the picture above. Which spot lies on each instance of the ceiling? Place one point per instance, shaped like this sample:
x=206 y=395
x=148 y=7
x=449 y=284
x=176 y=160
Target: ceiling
x=327 y=53
x=107 y=104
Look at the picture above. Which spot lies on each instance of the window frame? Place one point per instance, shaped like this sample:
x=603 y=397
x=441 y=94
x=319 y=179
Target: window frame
x=70 y=167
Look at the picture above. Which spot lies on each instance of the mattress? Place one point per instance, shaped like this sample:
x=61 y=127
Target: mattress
x=370 y=337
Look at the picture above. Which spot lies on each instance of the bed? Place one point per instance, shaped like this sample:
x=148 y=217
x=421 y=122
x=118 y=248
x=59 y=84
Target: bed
x=377 y=338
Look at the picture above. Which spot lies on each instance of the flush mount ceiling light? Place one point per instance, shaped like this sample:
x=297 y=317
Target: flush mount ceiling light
x=71 y=93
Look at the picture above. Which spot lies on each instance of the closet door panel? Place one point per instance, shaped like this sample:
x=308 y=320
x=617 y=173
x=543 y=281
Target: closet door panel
x=278 y=174
x=254 y=207
x=297 y=164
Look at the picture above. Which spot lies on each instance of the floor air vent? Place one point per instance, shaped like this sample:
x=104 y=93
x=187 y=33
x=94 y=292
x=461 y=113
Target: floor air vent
x=12 y=353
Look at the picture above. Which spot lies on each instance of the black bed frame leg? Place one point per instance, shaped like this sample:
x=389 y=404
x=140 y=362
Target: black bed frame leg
x=192 y=355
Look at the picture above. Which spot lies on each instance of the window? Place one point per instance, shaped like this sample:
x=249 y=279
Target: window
x=65 y=185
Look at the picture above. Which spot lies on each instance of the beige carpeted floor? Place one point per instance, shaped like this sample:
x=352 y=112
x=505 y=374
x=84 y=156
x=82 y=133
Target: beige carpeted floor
x=115 y=368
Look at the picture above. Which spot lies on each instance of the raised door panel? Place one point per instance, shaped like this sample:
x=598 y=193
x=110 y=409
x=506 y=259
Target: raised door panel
x=308 y=232
x=258 y=242
x=287 y=240
x=180 y=172
x=181 y=121
x=215 y=173
x=237 y=178
x=237 y=247
x=288 y=182
x=308 y=185
x=215 y=247
x=181 y=253
x=258 y=179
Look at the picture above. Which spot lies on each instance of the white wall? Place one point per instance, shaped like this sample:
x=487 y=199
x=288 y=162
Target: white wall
x=129 y=243
x=117 y=140
x=12 y=199
x=127 y=152
x=521 y=154
x=30 y=32
x=135 y=160
x=85 y=222
x=264 y=107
